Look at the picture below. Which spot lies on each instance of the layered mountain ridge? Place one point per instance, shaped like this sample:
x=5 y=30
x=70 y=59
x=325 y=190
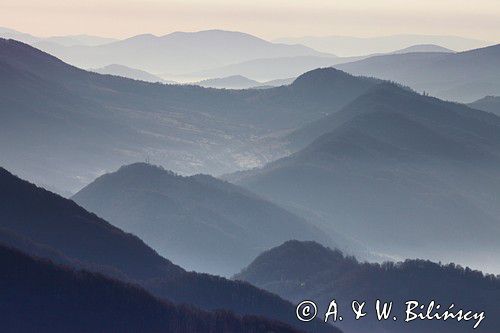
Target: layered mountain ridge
x=41 y=223
x=206 y=224
x=394 y=164
x=64 y=126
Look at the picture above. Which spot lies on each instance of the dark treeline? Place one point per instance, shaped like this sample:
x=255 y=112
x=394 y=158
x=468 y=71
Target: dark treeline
x=38 y=296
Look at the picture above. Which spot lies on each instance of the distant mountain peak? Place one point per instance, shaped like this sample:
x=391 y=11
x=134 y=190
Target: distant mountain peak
x=230 y=82
x=214 y=34
x=419 y=48
x=131 y=73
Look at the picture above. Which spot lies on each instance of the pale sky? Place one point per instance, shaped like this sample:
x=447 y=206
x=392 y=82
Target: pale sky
x=265 y=18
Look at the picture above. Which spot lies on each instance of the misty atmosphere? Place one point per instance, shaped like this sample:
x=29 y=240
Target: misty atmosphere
x=209 y=174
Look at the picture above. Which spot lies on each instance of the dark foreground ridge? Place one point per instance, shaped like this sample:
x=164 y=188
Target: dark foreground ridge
x=39 y=296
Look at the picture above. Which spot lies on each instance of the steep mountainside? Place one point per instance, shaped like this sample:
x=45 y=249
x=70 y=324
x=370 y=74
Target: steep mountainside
x=307 y=270
x=39 y=222
x=38 y=296
x=63 y=126
x=60 y=224
x=200 y=222
x=463 y=77
x=401 y=172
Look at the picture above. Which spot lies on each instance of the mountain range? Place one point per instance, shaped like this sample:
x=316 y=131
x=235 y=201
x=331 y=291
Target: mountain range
x=308 y=271
x=169 y=56
x=195 y=56
x=64 y=126
x=462 y=77
x=376 y=157
x=43 y=224
x=71 y=126
x=269 y=68
x=206 y=224
x=212 y=54
x=346 y=46
x=40 y=296
x=176 y=53
x=394 y=164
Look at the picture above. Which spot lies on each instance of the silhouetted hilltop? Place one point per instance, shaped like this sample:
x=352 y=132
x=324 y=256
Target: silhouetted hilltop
x=42 y=223
x=200 y=222
x=38 y=296
x=319 y=83
x=306 y=270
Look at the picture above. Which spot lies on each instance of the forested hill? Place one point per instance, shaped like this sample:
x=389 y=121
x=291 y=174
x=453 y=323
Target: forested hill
x=204 y=223
x=306 y=270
